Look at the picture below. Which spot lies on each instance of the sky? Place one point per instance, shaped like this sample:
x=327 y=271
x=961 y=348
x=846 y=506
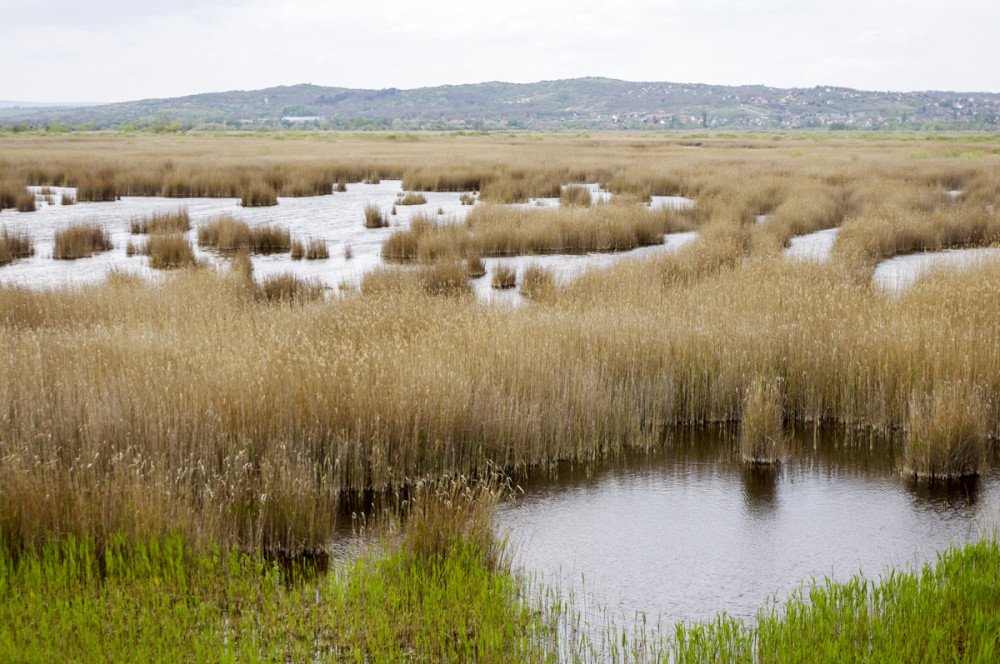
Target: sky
x=119 y=50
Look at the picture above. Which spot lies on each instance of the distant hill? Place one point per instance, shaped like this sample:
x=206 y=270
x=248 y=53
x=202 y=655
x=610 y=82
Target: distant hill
x=582 y=103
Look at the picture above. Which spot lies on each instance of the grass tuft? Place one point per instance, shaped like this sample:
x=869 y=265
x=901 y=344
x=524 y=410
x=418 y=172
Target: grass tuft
x=81 y=241
x=946 y=433
x=374 y=217
x=14 y=245
x=475 y=266
x=762 y=437
x=504 y=277
x=162 y=222
x=168 y=251
x=413 y=198
x=226 y=233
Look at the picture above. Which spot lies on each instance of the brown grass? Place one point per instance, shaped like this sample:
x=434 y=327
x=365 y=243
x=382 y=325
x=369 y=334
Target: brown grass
x=287 y=288
x=444 y=278
x=315 y=249
x=226 y=233
x=258 y=195
x=475 y=267
x=762 y=437
x=575 y=195
x=169 y=251
x=504 y=277
x=81 y=241
x=412 y=198
x=374 y=217
x=25 y=201
x=195 y=406
x=492 y=230
x=14 y=245
x=162 y=222
x=9 y=191
x=946 y=433
x=538 y=284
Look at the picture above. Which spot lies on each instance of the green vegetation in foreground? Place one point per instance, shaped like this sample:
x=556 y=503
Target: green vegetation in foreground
x=945 y=613
x=162 y=601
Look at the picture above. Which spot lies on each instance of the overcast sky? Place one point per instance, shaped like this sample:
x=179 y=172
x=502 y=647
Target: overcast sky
x=118 y=50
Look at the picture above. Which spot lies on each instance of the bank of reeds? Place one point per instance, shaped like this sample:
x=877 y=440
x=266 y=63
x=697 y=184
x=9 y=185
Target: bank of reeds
x=25 y=202
x=226 y=233
x=946 y=433
x=67 y=199
x=81 y=241
x=97 y=185
x=881 y=231
x=762 y=433
x=110 y=428
x=178 y=221
x=492 y=230
x=14 y=245
x=258 y=195
x=9 y=192
x=317 y=413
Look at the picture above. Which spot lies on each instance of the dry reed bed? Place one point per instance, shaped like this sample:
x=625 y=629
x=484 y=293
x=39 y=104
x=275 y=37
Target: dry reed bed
x=192 y=405
x=496 y=230
x=197 y=405
x=226 y=233
x=504 y=168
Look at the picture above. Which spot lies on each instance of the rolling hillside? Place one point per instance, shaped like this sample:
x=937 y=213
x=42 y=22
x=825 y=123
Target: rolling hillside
x=584 y=103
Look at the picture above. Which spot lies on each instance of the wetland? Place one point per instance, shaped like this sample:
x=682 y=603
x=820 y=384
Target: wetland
x=700 y=421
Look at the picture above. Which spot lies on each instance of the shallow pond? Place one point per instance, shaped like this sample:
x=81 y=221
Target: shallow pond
x=335 y=219
x=689 y=531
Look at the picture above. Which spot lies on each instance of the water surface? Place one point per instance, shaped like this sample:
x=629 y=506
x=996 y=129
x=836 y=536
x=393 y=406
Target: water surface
x=690 y=531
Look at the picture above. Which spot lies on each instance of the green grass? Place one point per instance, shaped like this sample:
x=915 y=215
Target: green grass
x=944 y=613
x=433 y=600
x=165 y=602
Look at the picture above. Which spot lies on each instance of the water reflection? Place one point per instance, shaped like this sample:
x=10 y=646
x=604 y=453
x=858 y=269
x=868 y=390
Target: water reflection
x=688 y=531
x=760 y=488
